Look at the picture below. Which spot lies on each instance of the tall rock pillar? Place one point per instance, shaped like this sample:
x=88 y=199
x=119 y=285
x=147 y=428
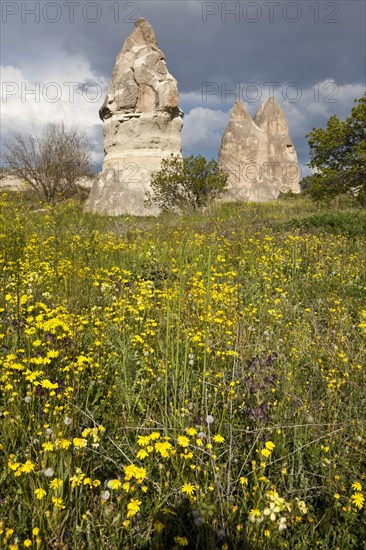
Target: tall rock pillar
x=142 y=125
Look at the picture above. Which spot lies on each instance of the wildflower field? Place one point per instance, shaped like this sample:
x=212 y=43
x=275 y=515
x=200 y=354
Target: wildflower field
x=193 y=381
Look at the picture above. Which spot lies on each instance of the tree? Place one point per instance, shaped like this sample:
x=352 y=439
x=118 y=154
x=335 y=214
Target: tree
x=306 y=182
x=338 y=155
x=51 y=164
x=190 y=183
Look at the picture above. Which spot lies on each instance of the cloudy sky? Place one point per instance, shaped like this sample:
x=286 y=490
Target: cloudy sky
x=57 y=58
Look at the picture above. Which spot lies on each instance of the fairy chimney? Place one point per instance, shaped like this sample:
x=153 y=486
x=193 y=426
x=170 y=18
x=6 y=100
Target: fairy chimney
x=142 y=125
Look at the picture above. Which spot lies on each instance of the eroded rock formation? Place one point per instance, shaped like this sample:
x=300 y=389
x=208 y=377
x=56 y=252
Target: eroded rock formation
x=258 y=154
x=142 y=125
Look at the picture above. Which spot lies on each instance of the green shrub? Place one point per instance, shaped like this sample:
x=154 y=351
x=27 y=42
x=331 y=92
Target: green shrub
x=187 y=184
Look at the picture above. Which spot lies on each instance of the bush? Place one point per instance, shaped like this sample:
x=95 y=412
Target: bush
x=189 y=183
x=52 y=164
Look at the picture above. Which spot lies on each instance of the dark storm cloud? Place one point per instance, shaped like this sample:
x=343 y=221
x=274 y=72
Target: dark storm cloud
x=203 y=41
x=218 y=51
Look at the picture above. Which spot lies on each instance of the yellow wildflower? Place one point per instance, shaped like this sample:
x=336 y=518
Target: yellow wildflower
x=163 y=448
x=358 y=500
x=27 y=467
x=266 y=453
x=183 y=441
x=114 y=484
x=158 y=526
x=58 y=503
x=64 y=443
x=133 y=507
x=56 y=483
x=87 y=481
x=40 y=493
x=49 y=385
x=14 y=465
x=79 y=442
x=188 y=489
x=142 y=454
x=143 y=440
x=181 y=541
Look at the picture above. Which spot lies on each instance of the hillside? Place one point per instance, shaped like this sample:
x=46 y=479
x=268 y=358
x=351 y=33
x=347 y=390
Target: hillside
x=193 y=381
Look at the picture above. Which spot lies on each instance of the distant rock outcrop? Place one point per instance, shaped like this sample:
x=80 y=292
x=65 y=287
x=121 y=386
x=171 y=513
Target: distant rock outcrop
x=258 y=154
x=11 y=183
x=142 y=125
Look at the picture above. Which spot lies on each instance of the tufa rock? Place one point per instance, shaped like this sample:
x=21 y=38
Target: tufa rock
x=258 y=154
x=12 y=183
x=142 y=125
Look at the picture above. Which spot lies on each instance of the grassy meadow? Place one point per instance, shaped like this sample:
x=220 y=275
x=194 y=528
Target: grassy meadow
x=185 y=381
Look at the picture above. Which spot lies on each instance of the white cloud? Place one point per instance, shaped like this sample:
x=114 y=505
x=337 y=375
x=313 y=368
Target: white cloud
x=317 y=104
x=70 y=91
x=203 y=129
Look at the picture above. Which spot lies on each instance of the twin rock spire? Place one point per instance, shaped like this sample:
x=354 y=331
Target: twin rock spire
x=258 y=154
x=142 y=125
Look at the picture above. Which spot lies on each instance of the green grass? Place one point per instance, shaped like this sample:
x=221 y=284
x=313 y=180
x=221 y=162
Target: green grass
x=182 y=381
x=351 y=222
